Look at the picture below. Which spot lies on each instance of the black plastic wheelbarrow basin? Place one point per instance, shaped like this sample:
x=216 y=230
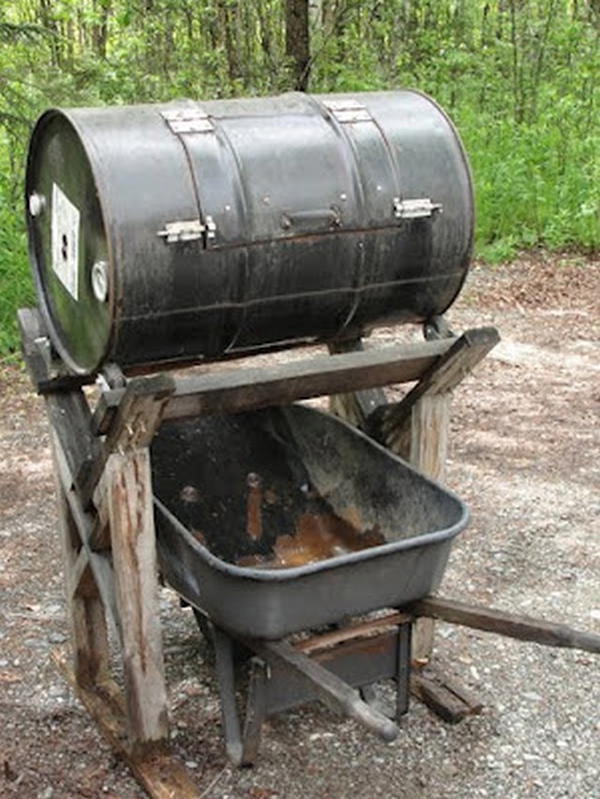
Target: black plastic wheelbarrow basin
x=287 y=518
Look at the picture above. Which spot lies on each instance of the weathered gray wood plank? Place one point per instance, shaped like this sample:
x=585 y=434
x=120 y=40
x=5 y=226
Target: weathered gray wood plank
x=46 y=377
x=84 y=523
x=513 y=625
x=447 y=700
x=70 y=417
x=129 y=497
x=248 y=389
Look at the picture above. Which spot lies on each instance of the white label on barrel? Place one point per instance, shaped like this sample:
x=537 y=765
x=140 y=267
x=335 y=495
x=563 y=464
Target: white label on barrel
x=65 y=240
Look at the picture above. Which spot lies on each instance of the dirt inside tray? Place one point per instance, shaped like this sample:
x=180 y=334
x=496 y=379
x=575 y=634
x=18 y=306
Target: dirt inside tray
x=316 y=537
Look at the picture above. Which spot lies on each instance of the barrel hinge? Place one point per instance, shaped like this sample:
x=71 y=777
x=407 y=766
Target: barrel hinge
x=348 y=110
x=415 y=209
x=188 y=230
x=188 y=120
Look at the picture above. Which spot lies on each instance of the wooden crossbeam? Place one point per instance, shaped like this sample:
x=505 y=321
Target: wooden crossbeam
x=246 y=389
x=47 y=374
x=318 y=643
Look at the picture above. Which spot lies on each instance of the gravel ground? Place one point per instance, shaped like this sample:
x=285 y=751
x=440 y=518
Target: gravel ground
x=524 y=455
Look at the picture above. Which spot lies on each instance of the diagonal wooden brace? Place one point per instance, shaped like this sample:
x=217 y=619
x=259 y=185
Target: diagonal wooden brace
x=392 y=423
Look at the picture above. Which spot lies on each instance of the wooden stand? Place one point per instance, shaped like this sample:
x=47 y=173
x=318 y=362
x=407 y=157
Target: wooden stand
x=105 y=507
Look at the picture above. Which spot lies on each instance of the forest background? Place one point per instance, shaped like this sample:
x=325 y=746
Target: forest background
x=521 y=79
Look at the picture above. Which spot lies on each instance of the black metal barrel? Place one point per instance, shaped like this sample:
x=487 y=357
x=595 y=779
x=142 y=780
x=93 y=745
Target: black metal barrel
x=202 y=230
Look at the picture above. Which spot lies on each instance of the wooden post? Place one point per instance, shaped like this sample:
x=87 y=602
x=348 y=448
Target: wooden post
x=123 y=501
x=428 y=452
x=354 y=407
x=416 y=428
x=127 y=481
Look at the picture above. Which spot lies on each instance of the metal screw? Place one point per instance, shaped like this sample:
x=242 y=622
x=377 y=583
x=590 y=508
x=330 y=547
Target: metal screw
x=37 y=203
x=100 y=280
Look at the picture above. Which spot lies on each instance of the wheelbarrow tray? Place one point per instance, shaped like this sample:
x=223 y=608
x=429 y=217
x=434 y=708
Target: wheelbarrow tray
x=227 y=488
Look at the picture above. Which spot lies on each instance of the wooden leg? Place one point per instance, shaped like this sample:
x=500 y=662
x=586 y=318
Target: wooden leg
x=429 y=435
x=428 y=451
x=130 y=508
x=86 y=612
x=355 y=407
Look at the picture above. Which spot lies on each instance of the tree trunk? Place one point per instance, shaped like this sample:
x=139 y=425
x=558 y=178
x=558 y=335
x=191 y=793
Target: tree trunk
x=297 y=42
x=100 y=29
x=227 y=20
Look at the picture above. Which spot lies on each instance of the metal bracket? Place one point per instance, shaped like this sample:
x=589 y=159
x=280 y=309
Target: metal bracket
x=45 y=348
x=347 y=110
x=415 y=208
x=436 y=327
x=188 y=120
x=188 y=230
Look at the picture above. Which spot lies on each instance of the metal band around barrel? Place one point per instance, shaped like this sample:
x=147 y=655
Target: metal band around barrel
x=186 y=121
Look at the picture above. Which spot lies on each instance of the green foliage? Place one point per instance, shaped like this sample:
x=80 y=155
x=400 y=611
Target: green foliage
x=519 y=77
x=15 y=282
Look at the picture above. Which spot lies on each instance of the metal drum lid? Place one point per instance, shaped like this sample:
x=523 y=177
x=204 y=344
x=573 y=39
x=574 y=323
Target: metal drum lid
x=68 y=244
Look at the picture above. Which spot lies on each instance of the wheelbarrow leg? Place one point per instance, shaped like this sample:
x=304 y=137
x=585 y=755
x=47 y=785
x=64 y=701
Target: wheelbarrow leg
x=403 y=669
x=256 y=711
x=226 y=679
x=402 y=677
x=242 y=748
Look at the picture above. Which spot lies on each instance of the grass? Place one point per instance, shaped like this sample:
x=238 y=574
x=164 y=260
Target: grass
x=16 y=288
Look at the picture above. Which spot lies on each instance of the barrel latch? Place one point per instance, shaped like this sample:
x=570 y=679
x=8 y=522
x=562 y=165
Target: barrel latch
x=346 y=110
x=188 y=230
x=187 y=120
x=415 y=208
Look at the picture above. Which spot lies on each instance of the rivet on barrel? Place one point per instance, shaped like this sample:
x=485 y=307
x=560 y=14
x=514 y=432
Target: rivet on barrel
x=100 y=280
x=37 y=203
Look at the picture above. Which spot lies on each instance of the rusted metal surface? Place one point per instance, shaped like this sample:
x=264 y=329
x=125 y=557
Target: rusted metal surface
x=316 y=537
